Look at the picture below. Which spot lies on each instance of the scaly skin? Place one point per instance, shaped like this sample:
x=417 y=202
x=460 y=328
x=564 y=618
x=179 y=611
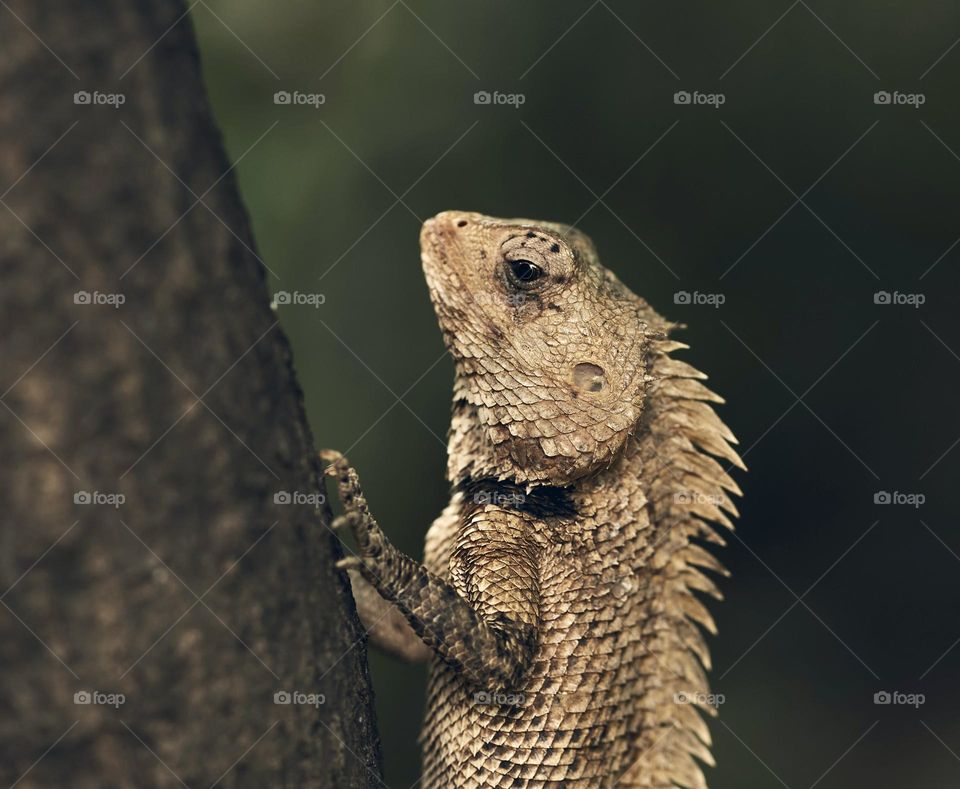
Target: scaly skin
x=556 y=598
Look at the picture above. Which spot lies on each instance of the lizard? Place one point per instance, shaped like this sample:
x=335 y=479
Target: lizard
x=556 y=600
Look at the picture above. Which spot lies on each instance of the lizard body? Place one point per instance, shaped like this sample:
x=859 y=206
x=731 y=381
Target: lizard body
x=556 y=598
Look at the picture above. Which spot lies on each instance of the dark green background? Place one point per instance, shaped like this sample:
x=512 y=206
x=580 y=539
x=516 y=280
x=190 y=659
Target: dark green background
x=321 y=186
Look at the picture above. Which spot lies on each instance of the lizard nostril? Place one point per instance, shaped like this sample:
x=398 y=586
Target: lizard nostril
x=589 y=377
x=462 y=223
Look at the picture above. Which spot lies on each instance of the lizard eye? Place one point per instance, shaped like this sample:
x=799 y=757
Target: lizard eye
x=523 y=272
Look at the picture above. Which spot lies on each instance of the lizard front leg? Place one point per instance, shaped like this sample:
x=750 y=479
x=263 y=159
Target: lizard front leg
x=383 y=623
x=485 y=622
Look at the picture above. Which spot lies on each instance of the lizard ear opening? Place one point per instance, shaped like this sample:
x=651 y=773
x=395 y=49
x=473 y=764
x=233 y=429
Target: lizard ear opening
x=589 y=377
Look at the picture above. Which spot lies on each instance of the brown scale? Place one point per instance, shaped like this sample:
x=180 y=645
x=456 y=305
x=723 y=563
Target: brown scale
x=556 y=601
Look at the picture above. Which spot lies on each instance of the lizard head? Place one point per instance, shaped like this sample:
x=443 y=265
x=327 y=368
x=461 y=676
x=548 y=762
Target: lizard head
x=550 y=348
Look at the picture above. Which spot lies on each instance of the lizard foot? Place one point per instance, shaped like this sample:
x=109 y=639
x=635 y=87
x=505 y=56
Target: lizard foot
x=354 y=563
x=329 y=458
x=371 y=542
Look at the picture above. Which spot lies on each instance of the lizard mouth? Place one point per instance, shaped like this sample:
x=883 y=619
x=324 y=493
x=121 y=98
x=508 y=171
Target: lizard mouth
x=436 y=237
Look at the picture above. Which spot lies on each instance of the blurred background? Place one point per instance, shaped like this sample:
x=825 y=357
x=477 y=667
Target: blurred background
x=814 y=167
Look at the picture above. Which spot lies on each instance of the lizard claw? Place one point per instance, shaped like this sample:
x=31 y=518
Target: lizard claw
x=329 y=458
x=350 y=563
x=349 y=519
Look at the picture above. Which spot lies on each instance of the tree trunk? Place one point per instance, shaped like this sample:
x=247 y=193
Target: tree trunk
x=150 y=424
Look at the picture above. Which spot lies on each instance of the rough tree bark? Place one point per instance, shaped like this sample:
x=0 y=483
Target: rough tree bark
x=197 y=598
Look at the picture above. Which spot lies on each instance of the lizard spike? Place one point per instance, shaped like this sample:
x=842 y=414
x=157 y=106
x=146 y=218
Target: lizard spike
x=688 y=389
x=694 y=554
x=674 y=368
